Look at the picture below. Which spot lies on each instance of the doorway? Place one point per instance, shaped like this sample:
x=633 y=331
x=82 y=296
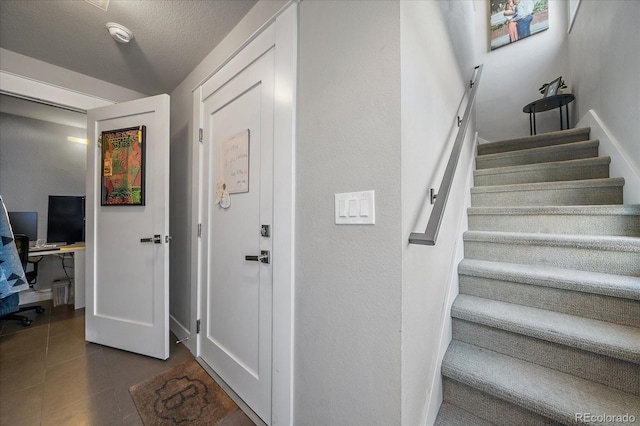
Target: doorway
x=245 y=252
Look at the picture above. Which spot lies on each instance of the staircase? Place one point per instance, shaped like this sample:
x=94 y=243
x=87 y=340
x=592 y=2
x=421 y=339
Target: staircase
x=546 y=328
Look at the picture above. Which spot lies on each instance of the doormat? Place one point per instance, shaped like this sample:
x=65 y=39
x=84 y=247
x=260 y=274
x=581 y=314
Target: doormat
x=185 y=395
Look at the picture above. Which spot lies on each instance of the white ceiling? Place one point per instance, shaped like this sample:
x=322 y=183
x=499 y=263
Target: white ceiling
x=171 y=37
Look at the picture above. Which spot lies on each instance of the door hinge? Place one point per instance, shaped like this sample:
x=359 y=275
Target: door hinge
x=198 y=327
x=200 y=135
x=199 y=230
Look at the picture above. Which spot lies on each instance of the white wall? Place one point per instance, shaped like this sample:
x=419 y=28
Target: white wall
x=36 y=161
x=437 y=63
x=348 y=278
x=604 y=51
x=513 y=74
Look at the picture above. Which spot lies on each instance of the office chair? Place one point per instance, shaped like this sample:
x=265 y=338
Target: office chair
x=9 y=306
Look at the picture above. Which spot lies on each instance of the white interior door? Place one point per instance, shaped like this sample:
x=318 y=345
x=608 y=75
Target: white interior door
x=237 y=111
x=127 y=285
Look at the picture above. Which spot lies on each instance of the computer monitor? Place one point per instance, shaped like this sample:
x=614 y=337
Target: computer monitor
x=65 y=219
x=25 y=223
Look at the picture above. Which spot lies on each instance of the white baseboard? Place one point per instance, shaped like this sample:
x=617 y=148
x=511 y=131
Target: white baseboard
x=621 y=166
x=32 y=296
x=183 y=334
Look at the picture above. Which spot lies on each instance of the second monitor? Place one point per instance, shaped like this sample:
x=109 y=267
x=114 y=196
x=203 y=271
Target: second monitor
x=65 y=219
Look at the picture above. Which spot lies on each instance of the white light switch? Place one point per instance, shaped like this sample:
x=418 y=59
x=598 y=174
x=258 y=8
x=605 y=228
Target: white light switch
x=342 y=208
x=355 y=208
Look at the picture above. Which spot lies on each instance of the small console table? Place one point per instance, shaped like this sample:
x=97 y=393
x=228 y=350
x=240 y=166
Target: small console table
x=546 y=104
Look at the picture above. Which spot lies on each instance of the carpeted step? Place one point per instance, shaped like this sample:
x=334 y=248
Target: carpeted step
x=612 y=340
x=620 y=220
x=546 y=392
x=606 y=254
x=604 y=297
x=535 y=141
x=450 y=415
x=548 y=154
x=569 y=193
x=487 y=407
x=608 y=371
x=588 y=168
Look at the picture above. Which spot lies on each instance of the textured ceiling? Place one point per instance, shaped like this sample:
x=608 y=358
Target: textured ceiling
x=171 y=37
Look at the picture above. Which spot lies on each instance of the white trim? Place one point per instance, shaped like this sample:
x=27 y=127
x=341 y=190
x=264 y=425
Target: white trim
x=28 y=88
x=286 y=34
x=446 y=331
x=621 y=166
x=572 y=6
x=247 y=41
x=284 y=215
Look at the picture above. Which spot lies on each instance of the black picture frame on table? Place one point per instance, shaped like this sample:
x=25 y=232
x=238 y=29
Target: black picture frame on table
x=552 y=88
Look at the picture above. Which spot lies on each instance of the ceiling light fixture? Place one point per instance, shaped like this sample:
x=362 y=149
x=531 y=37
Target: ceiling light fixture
x=120 y=33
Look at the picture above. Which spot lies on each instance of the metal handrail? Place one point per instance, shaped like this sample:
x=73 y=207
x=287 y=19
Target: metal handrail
x=433 y=226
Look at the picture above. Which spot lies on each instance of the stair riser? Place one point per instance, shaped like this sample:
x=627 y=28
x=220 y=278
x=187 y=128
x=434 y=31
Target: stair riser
x=588 y=305
x=536 y=157
x=450 y=415
x=606 y=261
x=621 y=375
x=537 y=141
x=616 y=225
x=490 y=408
x=580 y=196
x=551 y=174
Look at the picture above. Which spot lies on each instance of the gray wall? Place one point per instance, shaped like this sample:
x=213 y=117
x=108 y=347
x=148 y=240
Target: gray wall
x=348 y=278
x=513 y=74
x=604 y=51
x=437 y=64
x=36 y=161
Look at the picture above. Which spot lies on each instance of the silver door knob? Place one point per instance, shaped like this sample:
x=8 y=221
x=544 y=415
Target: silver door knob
x=157 y=239
x=264 y=257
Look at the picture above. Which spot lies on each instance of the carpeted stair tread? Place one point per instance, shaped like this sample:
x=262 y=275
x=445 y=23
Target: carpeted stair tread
x=620 y=286
x=450 y=415
x=587 y=242
x=527 y=142
x=570 y=184
x=545 y=154
x=544 y=391
x=598 y=210
x=613 y=340
x=595 y=253
x=585 y=168
x=618 y=219
x=561 y=193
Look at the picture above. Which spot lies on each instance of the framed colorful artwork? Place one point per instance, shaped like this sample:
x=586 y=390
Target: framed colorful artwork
x=123 y=156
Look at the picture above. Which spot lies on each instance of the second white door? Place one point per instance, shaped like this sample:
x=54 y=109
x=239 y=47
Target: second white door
x=237 y=111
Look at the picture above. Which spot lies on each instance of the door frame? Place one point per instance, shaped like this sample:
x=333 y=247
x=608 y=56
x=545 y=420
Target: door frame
x=286 y=28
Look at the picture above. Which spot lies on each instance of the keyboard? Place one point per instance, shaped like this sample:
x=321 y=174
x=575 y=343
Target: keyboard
x=44 y=247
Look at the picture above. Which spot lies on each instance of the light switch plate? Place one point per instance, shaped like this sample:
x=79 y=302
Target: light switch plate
x=355 y=208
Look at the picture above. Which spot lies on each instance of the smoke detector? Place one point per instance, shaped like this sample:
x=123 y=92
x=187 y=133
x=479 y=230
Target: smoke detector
x=120 y=33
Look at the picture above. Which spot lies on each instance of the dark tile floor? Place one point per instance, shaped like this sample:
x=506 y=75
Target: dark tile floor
x=49 y=374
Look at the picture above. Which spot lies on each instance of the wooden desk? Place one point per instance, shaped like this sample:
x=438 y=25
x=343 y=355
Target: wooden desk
x=546 y=104
x=78 y=252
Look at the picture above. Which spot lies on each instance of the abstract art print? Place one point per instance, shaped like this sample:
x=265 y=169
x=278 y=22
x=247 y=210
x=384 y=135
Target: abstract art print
x=123 y=167
x=514 y=20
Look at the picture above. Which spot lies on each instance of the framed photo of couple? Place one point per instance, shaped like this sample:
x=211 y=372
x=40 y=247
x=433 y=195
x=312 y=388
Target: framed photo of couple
x=514 y=20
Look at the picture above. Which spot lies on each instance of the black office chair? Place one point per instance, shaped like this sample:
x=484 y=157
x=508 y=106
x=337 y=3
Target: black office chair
x=10 y=304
